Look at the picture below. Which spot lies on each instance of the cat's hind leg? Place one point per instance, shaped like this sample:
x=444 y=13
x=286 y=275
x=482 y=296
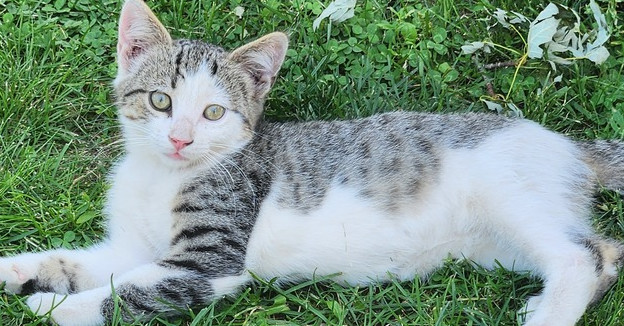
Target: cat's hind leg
x=576 y=272
x=609 y=257
x=558 y=245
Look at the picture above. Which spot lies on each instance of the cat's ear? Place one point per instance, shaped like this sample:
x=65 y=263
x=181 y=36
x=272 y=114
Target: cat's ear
x=262 y=58
x=139 y=29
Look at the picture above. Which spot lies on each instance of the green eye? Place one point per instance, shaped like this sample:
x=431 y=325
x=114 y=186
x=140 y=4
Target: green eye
x=214 y=112
x=160 y=101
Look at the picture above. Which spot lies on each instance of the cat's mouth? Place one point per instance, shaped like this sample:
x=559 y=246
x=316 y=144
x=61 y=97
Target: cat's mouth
x=177 y=156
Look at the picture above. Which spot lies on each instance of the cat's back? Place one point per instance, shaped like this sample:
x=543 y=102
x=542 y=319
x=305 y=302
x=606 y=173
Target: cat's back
x=384 y=156
x=387 y=132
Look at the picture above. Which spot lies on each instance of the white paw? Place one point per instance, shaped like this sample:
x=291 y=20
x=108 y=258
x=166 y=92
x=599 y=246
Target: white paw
x=14 y=272
x=68 y=310
x=42 y=303
x=528 y=311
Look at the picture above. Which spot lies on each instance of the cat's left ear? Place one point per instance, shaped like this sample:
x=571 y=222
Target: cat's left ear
x=262 y=58
x=139 y=30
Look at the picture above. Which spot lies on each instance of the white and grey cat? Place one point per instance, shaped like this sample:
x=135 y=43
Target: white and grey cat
x=207 y=192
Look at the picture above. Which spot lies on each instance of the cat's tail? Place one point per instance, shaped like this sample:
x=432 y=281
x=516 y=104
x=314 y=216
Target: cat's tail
x=606 y=158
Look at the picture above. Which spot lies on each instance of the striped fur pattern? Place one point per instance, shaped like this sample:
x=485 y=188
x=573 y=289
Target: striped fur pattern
x=206 y=192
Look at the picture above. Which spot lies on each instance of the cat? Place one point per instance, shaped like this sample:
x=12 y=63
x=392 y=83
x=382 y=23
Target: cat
x=207 y=192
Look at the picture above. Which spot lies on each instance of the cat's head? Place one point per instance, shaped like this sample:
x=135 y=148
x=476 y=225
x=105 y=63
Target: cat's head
x=189 y=102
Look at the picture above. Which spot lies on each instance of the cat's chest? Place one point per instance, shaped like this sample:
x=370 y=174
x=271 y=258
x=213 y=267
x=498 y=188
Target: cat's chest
x=140 y=202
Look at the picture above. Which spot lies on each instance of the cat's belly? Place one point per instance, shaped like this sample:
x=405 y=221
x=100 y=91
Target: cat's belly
x=347 y=234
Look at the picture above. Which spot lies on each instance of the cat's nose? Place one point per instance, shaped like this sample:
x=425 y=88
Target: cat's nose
x=179 y=143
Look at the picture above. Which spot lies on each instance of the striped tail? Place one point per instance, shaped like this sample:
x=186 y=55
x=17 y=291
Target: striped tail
x=606 y=158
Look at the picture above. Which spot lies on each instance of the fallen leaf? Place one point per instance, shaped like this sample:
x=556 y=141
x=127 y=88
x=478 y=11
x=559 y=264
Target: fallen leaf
x=474 y=47
x=541 y=33
x=238 y=11
x=337 y=11
x=493 y=106
x=548 y=12
x=598 y=55
x=501 y=16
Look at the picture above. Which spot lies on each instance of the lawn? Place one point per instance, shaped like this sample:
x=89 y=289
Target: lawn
x=59 y=137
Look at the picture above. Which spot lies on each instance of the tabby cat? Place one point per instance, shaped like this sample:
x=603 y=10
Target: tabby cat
x=207 y=193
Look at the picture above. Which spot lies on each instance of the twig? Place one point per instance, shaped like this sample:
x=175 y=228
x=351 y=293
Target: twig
x=488 y=81
x=502 y=64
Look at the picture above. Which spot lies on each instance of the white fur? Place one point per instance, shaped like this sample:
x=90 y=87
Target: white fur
x=139 y=206
x=146 y=181
x=229 y=285
x=81 y=309
x=494 y=202
x=15 y=271
x=456 y=216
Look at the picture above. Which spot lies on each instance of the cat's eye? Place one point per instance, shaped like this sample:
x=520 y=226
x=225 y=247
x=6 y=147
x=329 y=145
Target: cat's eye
x=160 y=101
x=214 y=112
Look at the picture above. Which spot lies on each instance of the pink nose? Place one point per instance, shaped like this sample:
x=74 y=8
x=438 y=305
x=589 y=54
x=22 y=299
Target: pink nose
x=179 y=143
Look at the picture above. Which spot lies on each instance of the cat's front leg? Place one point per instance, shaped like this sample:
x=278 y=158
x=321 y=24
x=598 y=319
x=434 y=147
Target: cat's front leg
x=142 y=293
x=80 y=309
x=55 y=271
x=15 y=272
x=64 y=271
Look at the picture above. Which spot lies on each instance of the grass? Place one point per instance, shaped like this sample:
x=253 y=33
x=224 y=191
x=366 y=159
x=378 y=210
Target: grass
x=58 y=133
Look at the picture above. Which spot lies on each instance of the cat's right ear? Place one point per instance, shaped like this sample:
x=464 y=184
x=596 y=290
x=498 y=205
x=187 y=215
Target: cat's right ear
x=139 y=29
x=262 y=58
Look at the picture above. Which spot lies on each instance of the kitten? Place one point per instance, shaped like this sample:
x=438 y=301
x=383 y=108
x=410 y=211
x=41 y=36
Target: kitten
x=207 y=192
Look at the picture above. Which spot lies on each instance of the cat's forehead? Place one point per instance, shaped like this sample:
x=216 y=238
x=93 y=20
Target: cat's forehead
x=192 y=54
x=166 y=66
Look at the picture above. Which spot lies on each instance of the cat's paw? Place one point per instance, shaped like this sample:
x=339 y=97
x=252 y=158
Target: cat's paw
x=43 y=303
x=527 y=312
x=15 y=273
x=67 y=310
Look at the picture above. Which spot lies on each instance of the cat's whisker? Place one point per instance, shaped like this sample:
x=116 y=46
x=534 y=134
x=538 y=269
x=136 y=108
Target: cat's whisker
x=243 y=151
x=242 y=173
x=216 y=166
x=235 y=165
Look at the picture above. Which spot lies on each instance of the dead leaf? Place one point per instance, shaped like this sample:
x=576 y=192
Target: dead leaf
x=542 y=30
x=337 y=11
x=474 y=47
